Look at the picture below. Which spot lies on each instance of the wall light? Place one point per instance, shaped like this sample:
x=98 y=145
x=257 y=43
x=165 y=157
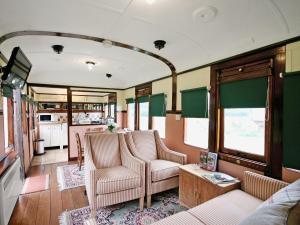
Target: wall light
x=90 y=65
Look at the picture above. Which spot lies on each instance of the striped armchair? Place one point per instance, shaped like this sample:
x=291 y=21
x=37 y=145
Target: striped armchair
x=112 y=174
x=162 y=164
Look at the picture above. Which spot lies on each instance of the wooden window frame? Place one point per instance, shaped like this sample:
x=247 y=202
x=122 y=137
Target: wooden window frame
x=142 y=90
x=273 y=165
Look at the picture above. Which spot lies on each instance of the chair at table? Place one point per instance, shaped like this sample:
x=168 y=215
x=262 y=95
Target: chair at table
x=112 y=174
x=162 y=164
x=80 y=150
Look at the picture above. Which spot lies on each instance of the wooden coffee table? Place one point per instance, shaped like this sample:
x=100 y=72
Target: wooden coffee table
x=194 y=189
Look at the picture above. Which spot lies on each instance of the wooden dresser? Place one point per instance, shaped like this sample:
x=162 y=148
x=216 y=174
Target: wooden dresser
x=194 y=189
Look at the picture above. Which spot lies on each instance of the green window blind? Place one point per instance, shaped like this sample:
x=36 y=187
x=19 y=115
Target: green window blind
x=244 y=93
x=142 y=99
x=291 y=120
x=194 y=103
x=129 y=100
x=158 y=105
x=7 y=91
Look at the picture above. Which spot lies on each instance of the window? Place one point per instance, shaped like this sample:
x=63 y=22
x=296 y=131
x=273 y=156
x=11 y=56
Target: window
x=144 y=115
x=130 y=115
x=244 y=130
x=112 y=110
x=196 y=132
x=159 y=124
x=105 y=110
x=5 y=118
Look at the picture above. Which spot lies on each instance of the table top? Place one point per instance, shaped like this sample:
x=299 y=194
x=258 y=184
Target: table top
x=199 y=172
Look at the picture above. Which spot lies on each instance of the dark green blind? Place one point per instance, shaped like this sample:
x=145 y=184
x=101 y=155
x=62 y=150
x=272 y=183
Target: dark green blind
x=7 y=91
x=158 y=105
x=194 y=103
x=244 y=93
x=291 y=120
x=142 y=99
x=129 y=100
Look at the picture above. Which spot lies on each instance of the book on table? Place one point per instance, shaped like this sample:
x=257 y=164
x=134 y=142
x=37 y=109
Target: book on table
x=219 y=178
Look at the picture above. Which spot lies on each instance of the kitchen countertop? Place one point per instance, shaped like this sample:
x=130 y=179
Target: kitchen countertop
x=51 y=123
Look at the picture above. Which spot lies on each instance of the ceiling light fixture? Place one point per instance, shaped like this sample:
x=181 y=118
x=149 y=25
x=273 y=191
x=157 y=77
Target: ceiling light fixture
x=159 y=44
x=108 y=75
x=90 y=65
x=58 y=48
x=107 y=43
x=150 y=2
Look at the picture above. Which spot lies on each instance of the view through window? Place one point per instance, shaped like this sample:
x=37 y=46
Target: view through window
x=159 y=124
x=5 y=117
x=144 y=115
x=196 y=132
x=130 y=115
x=244 y=130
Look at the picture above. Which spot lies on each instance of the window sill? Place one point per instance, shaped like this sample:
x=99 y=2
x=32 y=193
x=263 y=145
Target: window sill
x=8 y=161
x=243 y=162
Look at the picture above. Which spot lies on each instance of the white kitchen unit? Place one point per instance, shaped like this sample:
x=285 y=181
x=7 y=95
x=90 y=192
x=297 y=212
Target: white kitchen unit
x=54 y=134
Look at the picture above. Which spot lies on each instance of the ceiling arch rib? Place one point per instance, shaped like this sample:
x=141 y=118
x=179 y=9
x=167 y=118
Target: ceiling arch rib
x=86 y=37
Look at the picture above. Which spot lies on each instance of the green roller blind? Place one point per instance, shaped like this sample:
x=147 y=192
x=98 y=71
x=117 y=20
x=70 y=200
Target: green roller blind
x=129 y=100
x=158 y=105
x=244 y=93
x=142 y=99
x=194 y=103
x=291 y=120
x=7 y=91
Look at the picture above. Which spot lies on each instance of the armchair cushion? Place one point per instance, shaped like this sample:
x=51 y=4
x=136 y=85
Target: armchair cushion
x=145 y=145
x=116 y=179
x=163 y=169
x=105 y=150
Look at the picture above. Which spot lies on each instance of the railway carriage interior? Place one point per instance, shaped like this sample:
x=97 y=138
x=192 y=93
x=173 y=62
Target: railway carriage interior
x=139 y=112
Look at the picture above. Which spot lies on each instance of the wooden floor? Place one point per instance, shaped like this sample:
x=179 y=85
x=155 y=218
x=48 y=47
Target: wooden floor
x=44 y=208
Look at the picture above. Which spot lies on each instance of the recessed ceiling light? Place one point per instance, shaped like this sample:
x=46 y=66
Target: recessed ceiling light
x=107 y=43
x=204 y=14
x=90 y=65
x=150 y=2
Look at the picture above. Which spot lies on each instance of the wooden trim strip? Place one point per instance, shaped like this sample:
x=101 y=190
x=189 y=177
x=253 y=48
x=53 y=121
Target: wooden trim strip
x=86 y=37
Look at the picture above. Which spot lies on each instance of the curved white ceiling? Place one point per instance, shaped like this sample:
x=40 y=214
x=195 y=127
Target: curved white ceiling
x=196 y=31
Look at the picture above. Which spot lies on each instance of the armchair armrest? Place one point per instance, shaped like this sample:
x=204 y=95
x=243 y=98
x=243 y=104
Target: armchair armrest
x=260 y=186
x=129 y=160
x=167 y=154
x=89 y=173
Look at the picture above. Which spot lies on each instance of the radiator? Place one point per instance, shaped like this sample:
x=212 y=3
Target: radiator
x=11 y=185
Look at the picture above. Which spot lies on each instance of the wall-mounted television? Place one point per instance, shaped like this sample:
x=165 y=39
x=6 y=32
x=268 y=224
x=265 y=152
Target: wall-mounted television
x=17 y=70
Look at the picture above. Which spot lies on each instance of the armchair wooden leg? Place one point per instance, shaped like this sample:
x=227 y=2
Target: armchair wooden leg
x=148 y=201
x=142 y=203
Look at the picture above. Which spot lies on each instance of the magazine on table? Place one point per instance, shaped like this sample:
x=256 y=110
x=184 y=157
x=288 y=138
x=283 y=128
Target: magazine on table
x=208 y=160
x=219 y=178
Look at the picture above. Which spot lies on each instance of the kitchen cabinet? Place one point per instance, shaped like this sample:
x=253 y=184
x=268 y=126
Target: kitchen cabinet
x=54 y=134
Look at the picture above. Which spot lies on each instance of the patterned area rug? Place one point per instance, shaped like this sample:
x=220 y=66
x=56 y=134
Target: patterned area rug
x=163 y=205
x=69 y=176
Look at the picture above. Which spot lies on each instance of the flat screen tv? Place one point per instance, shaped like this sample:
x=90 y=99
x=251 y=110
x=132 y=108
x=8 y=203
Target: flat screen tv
x=17 y=70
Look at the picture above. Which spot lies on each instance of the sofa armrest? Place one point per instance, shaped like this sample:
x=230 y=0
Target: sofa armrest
x=260 y=186
x=167 y=154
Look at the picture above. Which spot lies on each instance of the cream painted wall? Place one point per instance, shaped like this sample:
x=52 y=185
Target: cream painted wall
x=194 y=79
x=293 y=57
x=164 y=86
x=128 y=93
x=51 y=98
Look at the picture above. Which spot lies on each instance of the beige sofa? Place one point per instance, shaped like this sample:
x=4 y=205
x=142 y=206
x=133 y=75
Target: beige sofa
x=230 y=208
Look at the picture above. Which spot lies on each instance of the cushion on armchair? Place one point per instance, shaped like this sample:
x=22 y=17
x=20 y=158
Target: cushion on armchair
x=116 y=179
x=145 y=145
x=276 y=209
x=105 y=150
x=163 y=169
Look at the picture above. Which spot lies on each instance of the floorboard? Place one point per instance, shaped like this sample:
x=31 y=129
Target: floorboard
x=44 y=208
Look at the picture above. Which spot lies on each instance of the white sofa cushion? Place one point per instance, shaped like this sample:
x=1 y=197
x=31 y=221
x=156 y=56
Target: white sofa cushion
x=116 y=179
x=163 y=169
x=227 y=209
x=179 y=219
